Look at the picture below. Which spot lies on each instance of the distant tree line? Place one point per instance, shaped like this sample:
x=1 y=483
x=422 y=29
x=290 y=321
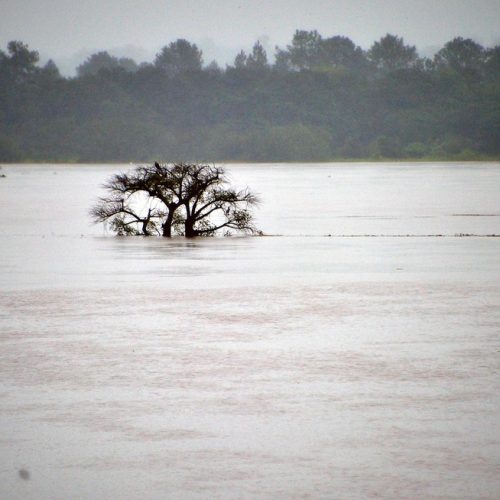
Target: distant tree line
x=320 y=99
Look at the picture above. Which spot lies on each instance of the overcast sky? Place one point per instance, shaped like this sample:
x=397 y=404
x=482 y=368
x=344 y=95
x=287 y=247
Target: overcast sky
x=69 y=30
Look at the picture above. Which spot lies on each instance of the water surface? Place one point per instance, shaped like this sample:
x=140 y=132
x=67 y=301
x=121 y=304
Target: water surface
x=340 y=359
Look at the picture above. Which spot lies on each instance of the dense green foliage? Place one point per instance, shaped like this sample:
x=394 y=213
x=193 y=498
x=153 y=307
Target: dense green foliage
x=321 y=99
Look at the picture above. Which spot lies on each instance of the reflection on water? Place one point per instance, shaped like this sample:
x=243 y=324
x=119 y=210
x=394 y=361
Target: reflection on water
x=271 y=367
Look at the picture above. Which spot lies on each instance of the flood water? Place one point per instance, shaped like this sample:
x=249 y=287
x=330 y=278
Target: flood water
x=353 y=352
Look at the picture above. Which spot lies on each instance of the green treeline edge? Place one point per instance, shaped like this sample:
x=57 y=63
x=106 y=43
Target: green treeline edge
x=321 y=99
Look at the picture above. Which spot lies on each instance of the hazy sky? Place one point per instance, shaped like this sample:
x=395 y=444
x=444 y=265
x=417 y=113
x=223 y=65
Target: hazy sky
x=69 y=30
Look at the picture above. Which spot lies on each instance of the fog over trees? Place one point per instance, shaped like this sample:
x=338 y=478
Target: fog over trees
x=314 y=99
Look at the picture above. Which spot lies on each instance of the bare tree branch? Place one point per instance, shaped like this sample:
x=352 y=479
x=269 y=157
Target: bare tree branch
x=199 y=190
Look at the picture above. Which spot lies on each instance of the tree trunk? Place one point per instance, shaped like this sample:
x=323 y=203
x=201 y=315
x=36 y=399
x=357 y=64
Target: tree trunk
x=167 y=225
x=189 y=231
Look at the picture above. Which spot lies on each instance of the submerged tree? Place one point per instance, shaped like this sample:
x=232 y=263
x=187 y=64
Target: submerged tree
x=190 y=199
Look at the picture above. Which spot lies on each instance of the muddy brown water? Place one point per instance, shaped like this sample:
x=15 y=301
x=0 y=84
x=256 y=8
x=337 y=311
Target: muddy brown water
x=292 y=366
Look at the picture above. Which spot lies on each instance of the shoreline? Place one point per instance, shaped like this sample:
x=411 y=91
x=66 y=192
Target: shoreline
x=270 y=162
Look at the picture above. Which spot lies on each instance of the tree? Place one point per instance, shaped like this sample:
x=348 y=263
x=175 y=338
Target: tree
x=492 y=63
x=213 y=68
x=257 y=60
x=340 y=51
x=190 y=199
x=20 y=62
x=104 y=61
x=464 y=56
x=240 y=60
x=282 y=62
x=310 y=51
x=179 y=57
x=305 y=51
x=390 y=53
x=50 y=70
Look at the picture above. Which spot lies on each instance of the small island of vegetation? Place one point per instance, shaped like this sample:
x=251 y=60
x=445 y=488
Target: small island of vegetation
x=185 y=199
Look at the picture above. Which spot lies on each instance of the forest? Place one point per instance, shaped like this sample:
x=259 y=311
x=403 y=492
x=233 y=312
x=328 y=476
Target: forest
x=317 y=99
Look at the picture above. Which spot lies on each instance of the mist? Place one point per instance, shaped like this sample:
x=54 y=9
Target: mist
x=68 y=30
x=249 y=249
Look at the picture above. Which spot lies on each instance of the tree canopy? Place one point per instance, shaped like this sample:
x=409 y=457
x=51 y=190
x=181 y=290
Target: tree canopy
x=390 y=53
x=179 y=57
x=187 y=199
x=103 y=61
x=19 y=63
